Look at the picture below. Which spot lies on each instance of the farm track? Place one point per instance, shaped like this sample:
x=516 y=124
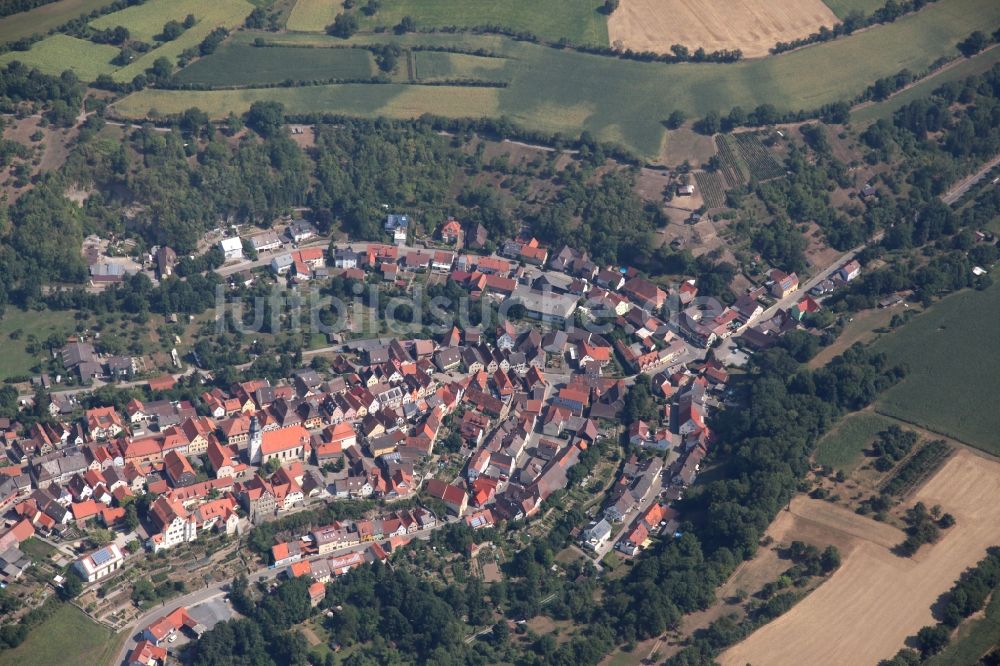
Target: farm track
x=411 y=66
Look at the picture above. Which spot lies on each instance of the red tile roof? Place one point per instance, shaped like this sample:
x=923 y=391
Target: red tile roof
x=284 y=439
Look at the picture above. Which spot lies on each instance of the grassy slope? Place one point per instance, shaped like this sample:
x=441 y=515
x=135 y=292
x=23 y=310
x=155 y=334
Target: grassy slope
x=42 y=19
x=239 y=64
x=963 y=69
x=626 y=101
x=145 y=21
x=60 y=52
x=312 y=14
x=953 y=353
x=842 y=447
x=15 y=360
x=67 y=638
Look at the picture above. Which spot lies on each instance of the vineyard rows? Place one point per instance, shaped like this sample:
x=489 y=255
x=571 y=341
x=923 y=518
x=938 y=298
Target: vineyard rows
x=758 y=159
x=920 y=466
x=711 y=188
x=731 y=170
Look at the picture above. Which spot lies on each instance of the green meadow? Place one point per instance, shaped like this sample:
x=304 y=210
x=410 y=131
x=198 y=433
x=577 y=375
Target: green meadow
x=59 y=52
x=442 y=66
x=961 y=70
x=68 y=638
x=844 y=7
x=842 y=447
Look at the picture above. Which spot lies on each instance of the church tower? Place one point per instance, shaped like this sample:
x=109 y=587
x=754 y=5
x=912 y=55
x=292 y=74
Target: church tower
x=256 y=439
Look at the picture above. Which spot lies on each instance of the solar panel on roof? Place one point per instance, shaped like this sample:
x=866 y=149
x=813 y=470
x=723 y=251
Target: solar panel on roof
x=102 y=556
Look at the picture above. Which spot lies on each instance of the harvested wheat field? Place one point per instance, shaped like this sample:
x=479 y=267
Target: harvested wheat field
x=868 y=608
x=753 y=26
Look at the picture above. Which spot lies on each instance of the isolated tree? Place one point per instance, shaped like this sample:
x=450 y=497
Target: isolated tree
x=407 y=24
x=171 y=31
x=708 y=125
x=266 y=118
x=830 y=559
x=343 y=26
x=675 y=119
x=256 y=20
x=161 y=69
x=610 y=6
x=72 y=586
x=387 y=56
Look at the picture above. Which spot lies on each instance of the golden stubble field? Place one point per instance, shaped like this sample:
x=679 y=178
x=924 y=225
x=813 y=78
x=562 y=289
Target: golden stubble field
x=868 y=608
x=753 y=26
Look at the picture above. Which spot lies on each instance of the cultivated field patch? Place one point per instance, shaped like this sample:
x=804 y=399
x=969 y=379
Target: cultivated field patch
x=753 y=26
x=579 y=21
x=953 y=354
x=442 y=66
x=713 y=190
x=242 y=64
x=877 y=598
x=358 y=99
x=56 y=54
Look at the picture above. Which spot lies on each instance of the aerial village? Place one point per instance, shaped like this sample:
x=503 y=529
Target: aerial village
x=480 y=425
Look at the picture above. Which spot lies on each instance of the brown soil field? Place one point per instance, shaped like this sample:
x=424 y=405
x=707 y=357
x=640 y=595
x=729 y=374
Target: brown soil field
x=651 y=183
x=817 y=252
x=685 y=144
x=753 y=26
x=869 y=607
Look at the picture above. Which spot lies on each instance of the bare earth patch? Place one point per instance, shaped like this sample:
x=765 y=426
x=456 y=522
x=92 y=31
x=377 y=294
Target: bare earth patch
x=753 y=26
x=868 y=608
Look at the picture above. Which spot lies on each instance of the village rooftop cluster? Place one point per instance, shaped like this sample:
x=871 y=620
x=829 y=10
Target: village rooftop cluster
x=523 y=400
